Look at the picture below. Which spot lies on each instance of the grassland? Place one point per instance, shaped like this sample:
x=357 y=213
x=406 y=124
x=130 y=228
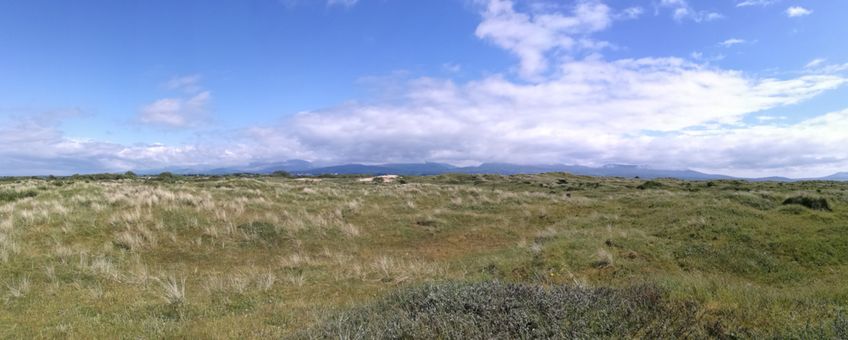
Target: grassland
x=450 y=256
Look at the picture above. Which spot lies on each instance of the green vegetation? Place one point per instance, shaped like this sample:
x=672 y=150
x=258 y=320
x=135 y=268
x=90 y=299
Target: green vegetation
x=815 y=203
x=509 y=311
x=450 y=256
x=281 y=174
x=650 y=185
x=8 y=196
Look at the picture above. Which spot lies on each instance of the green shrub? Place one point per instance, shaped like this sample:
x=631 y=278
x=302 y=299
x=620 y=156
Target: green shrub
x=102 y=177
x=759 y=202
x=494 y=310
x=814 y=203
x=167 y=177
x=9 y=196
x=650 y=185
x=281 y=173
x=840 y=326
x=262 y=232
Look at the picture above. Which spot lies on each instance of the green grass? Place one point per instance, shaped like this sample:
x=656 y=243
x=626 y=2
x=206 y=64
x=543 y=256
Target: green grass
x=449 y=256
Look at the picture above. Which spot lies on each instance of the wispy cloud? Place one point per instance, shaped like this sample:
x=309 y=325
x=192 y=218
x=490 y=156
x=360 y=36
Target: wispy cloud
x=732 y=42
x=815 y=63
x=748 y=3
x=190 y=109
x=291 y=4
x=189 y=83
x=798 y=11
x=177 y=112
x=452 y=67
x=681 y=10
x=631 y=13
x=822 y=66
x=343 y=3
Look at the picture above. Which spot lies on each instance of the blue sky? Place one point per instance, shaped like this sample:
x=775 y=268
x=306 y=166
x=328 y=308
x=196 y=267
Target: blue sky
x=744 y=87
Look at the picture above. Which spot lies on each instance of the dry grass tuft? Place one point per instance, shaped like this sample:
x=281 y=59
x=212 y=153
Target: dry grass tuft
x=18 y=288
x=173 y=290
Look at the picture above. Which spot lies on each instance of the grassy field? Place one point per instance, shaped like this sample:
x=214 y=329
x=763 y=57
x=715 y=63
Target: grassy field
x=451 y=256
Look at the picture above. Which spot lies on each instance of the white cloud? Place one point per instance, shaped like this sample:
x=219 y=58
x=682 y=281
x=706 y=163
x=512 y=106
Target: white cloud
x=191 y=109
x=343 y=3
x=821 y=66
x=188 y=84
x=35 y=145
x=681 y=10
x=731 y=42
x=532 y=36
x=798 y=11
x=815 y=63
x=769 y=118
x=593 y=112
x=452 y=67
x=709 y=16
x=812 y=146
x=291 y=4
x=177 y=112
x=665 y=112
x=631 y=12
x=748 y=3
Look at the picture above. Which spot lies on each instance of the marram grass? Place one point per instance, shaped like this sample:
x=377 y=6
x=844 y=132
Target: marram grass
x=451 y=256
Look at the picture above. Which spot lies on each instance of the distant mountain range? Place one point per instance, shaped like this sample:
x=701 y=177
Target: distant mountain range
x=301 y=167
x=840 y=176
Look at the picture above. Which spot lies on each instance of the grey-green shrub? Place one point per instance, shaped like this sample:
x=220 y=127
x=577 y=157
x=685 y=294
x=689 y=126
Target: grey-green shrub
x=495 y=310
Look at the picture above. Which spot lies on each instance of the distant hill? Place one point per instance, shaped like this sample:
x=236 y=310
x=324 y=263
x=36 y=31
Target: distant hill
x=301 y=167
x=509 y=169
x=772 y=179
x=410 y=169
x=293 y=165
x=840 y=176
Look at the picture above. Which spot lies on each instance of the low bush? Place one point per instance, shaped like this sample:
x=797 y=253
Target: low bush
x=101 y=177
x=262 y=232
x=167 y=177
x=494 y=310
x=9 y=196
x=650 y=185
x=814 y=203
x=281 y=173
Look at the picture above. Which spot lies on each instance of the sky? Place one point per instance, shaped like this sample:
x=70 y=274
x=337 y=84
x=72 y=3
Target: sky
x=738 y=87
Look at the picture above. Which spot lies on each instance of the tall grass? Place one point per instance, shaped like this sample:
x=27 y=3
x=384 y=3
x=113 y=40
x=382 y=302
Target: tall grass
x=267 y=257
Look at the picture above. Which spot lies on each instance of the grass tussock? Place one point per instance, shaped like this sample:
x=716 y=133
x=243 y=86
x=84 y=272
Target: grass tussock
x=173 y=290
